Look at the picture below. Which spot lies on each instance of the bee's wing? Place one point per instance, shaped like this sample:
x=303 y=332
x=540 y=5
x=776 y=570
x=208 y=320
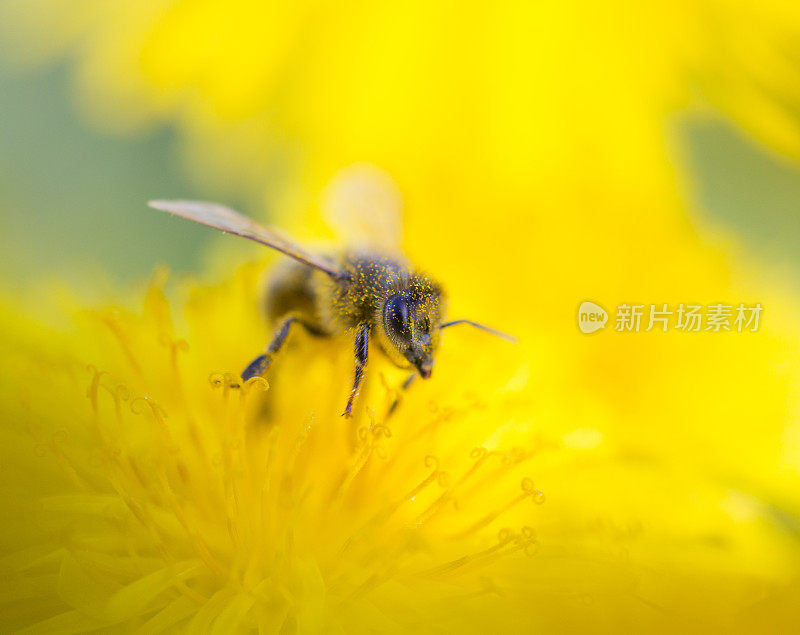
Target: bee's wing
x=232 y=222
x=363 y=204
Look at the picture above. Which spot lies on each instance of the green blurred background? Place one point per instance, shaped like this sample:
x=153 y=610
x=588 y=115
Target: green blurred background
x=74 y=198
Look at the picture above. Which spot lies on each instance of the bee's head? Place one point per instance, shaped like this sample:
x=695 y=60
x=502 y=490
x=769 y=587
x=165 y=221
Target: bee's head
x=410 y=320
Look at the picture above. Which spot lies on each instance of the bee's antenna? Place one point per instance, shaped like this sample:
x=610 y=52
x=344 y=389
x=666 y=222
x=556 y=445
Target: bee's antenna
x=505 y=336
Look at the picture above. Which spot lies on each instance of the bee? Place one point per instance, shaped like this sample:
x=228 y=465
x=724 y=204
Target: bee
x=369 y=290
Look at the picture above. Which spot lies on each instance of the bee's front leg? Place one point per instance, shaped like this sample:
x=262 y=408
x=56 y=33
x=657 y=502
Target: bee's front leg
x=260 y=364
x=362 y=349
x=396 y=401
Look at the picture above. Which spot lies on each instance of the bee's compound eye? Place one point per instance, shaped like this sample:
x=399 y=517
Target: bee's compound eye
x=396 y=315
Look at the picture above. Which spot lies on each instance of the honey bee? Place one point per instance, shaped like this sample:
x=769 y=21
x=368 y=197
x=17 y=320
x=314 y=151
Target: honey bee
x=368 y=289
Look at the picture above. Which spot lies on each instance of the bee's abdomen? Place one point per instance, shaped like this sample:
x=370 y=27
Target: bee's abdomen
x=290 y=289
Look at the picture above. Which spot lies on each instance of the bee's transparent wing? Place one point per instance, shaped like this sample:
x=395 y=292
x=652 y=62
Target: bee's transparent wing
x=363 y=205
x=232 y=222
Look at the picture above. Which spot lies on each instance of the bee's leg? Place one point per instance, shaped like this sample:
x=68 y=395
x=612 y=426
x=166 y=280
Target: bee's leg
x=409 y=380
x=362 y=348
x=260 y=364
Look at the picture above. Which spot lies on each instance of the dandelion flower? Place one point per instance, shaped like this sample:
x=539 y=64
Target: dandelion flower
x=150 y=492
x=147 y=487
x=570 y=483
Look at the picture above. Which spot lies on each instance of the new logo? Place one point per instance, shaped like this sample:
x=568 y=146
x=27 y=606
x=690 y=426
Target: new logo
x=591 y=317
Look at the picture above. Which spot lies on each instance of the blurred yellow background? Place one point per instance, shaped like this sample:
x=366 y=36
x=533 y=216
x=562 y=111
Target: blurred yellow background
x=547 y=153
